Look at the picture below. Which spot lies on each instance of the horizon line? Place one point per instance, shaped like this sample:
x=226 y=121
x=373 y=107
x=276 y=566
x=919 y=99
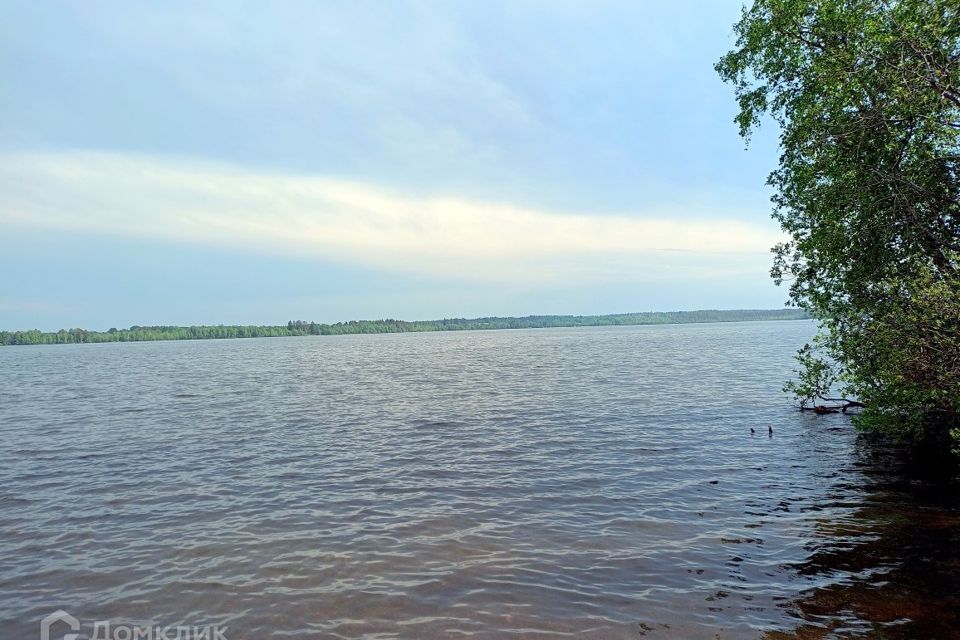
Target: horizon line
x=415 y=322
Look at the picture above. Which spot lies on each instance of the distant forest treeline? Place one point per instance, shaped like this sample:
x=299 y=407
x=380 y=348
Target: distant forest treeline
x=301 y=328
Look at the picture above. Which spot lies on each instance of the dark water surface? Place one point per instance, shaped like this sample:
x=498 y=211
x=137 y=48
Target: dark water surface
x=596 y=482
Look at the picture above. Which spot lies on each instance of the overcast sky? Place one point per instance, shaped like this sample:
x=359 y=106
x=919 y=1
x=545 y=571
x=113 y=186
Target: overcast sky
x=187 y=163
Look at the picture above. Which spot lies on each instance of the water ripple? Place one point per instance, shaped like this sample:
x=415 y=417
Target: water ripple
x=552 y=483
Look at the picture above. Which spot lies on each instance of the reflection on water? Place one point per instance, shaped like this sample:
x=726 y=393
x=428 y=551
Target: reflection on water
x=892 y=565
x=597 y=483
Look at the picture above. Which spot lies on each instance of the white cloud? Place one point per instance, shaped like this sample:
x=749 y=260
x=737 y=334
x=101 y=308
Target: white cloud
x=186 y=200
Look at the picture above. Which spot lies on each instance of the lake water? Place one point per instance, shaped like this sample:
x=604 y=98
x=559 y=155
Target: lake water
x=590 y=482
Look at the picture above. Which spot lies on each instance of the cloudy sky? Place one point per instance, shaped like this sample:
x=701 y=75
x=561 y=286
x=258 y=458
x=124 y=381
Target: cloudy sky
x=186 y=163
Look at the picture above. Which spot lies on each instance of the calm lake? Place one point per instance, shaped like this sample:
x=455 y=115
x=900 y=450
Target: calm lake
x=590 y=482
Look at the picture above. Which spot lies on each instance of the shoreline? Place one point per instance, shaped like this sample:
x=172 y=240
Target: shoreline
x=138 y=333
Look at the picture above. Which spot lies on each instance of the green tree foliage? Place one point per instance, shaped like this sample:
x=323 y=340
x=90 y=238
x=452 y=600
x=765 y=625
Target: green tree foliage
x=301 y=328
x=867 y=97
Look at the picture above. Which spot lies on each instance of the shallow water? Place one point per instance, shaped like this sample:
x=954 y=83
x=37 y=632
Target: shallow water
x=593 y=482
